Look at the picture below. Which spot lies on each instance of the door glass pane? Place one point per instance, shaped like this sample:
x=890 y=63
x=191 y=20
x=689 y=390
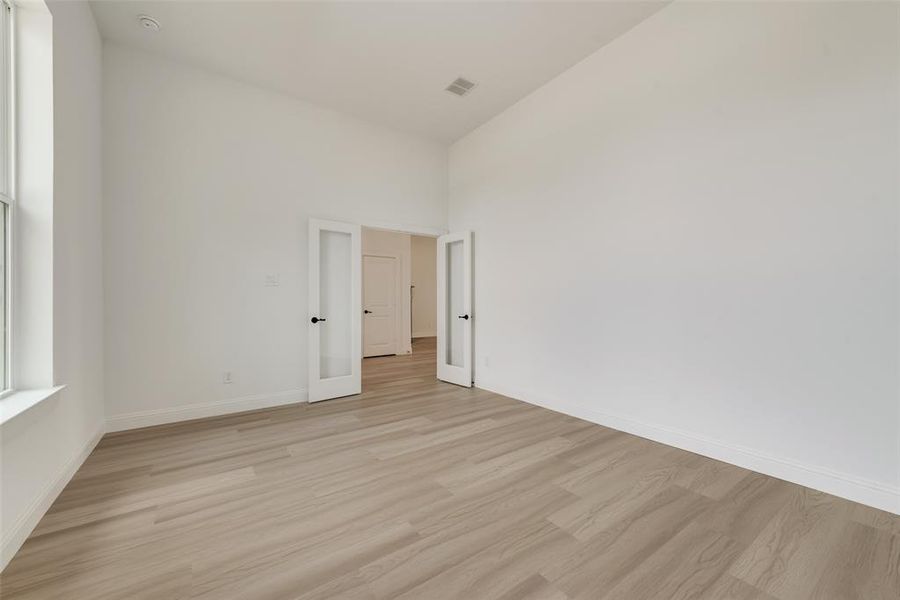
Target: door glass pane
x=335 y=291
x=455 y=304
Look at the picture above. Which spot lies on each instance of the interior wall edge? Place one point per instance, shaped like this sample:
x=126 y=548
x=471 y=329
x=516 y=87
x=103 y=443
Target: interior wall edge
x=849 y=487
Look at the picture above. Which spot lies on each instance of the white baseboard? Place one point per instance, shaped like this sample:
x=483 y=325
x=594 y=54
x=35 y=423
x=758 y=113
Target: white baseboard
x=421 y=334
x=162 y=416
x=870 y=493
x=26 y=523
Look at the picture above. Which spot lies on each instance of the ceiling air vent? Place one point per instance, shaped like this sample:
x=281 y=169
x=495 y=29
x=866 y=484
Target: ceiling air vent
x=460 y=87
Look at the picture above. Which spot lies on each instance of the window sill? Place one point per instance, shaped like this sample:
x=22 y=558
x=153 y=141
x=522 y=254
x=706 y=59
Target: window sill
x=20 y=401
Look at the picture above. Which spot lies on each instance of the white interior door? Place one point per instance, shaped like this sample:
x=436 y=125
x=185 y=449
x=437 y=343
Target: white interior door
x=381 y=276
x=454 y=314
x=335 y=341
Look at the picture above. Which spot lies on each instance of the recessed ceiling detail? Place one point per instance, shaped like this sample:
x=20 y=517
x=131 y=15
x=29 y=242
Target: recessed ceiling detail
x=148 y=23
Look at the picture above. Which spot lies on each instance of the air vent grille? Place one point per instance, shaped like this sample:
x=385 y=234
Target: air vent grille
x=460 y=86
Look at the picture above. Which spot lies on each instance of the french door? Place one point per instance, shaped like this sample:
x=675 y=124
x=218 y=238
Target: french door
x=454 y=310
x=335 y=340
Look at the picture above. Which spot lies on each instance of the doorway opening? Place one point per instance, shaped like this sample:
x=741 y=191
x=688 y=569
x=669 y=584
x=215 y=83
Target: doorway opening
x=400 y=315
x=399 y=301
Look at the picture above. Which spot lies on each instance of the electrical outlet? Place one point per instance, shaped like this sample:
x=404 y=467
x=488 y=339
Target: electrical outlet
x=486 y=361
x=226 y=378
x=273 y=280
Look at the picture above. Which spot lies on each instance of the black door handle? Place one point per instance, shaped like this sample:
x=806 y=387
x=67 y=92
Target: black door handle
x=316 y=320
x=466 y=317
x=367 y=312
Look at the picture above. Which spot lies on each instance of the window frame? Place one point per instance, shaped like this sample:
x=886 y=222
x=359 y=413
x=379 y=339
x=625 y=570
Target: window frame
x=8 y=196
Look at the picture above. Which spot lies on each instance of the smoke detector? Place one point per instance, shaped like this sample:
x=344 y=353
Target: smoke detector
x=461 y=86
x=148 y=23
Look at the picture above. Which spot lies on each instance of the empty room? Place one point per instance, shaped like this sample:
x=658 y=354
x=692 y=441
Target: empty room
x=446 y=299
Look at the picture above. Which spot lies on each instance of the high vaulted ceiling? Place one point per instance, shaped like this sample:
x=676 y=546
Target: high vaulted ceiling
x=386 y=62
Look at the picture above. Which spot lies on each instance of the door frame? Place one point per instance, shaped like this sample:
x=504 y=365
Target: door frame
x=432 y=232
x=401 y=228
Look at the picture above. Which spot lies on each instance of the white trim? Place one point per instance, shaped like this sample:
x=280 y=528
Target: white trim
x=422 y=334
x=15 y=402
x=162 y=416
x=25 y=524
x=870 y=493
x=7 y=383
x=402 y=228
x=9 y=273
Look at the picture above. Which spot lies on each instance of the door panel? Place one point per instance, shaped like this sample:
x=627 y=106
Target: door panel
x=454 y=274
x=334 y=320
x=380 y=274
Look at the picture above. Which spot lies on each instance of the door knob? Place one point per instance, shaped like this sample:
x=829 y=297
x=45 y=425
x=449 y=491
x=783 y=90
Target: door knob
x=367 y=312
x=316 y=320
x=466 y=317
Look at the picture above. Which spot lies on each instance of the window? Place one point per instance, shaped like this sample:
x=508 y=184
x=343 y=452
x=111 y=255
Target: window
x=6 y=182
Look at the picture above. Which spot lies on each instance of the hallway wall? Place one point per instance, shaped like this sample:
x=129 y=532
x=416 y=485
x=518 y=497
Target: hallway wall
x=424 y=278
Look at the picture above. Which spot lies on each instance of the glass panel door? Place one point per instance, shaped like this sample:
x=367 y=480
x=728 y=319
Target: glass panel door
x=334 y=306
x=454 y=270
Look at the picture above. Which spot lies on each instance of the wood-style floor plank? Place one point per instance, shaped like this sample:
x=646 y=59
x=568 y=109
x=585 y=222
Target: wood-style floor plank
x=418 y=489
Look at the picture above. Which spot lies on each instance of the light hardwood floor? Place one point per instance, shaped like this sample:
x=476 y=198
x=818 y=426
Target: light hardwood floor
x=419 y=489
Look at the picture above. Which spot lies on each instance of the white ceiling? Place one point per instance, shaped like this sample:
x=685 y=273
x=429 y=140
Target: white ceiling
x=386 y=62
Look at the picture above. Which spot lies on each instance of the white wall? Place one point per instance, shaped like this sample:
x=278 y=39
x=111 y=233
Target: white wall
x=42 y=448
x=424 y=277
x=378 y=242
x=693 y=235
x=209 y=183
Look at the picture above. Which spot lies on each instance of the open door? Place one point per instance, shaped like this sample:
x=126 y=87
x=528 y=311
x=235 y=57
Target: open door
x=335 y=340
x=454 y=309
